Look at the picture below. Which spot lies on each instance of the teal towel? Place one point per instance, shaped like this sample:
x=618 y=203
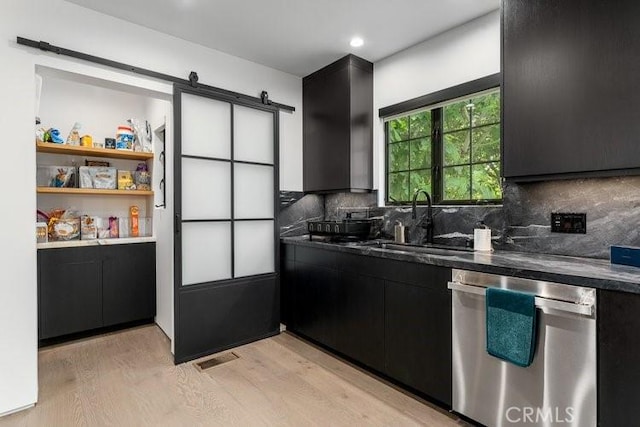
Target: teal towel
x=511 y=325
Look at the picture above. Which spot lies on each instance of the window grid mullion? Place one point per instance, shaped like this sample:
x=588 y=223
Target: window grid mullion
x=470 y=151
x=437 y=153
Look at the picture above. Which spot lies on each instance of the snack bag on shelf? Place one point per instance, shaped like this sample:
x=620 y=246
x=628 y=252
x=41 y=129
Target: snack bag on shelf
x=74 y=135
x=113 y=227
x=125 y=180
x=64 y=225
x=142 y=177
x=88 y=228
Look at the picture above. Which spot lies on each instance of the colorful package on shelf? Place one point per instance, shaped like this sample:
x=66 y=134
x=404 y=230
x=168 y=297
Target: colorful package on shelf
x=125 y=180
x=56 y=176
x=64 y=225
x=42 y=232
x=142 y=177
x=74 y=135
x=98 y=177
x=88 y=228
x=114 y=230
x=134 y=212
x=53 y=135
x=124 y=138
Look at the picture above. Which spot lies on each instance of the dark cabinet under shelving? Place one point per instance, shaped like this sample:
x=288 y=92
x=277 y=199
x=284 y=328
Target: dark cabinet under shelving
x=86 y=288
x=69 y=291
x=128 y=283
x=338 y=127
x=570 y=79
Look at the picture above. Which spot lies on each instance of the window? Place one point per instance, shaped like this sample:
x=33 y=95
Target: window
x=452 y=151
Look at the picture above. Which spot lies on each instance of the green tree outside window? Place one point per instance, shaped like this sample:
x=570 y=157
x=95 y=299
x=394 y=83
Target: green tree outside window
x=468 y=141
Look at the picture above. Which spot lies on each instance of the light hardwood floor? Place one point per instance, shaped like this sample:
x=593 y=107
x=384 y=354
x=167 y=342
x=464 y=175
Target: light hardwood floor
x=128 y=379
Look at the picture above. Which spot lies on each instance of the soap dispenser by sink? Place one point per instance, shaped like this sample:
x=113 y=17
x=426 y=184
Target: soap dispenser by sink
x=398 y=232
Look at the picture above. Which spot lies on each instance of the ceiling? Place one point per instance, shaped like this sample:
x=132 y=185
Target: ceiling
x=298 y=36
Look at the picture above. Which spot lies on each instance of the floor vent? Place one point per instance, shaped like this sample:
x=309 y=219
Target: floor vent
x=217 y=360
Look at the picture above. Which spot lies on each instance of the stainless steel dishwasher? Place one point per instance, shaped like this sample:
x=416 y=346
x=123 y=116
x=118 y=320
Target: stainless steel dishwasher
x=558 y=388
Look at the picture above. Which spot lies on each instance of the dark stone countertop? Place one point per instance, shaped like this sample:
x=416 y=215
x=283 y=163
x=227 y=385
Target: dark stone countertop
x=588 y=272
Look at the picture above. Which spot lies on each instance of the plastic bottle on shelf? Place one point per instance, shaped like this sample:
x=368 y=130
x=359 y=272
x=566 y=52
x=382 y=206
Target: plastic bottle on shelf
x=124 y=138
x=135 y=226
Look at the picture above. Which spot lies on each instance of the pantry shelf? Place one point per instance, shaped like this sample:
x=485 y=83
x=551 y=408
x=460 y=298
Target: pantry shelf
x=71 y=150
x=93 y=191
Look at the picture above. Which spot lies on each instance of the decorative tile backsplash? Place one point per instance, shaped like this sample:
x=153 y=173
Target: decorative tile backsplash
x=522 y=223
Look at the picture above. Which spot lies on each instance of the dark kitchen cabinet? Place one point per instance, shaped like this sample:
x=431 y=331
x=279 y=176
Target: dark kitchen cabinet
x=338 y=127
x=85 y=288
x=69 y=291
x=618 y=358
x=128 y=283
x=418 y=335
x=391 y=316
x=287 y=276
x=359 y=306
x=314 y=313
x=569 y=92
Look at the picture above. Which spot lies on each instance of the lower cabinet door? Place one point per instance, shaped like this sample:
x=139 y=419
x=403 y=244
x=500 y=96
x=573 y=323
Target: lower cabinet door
x=314 y=313
x=128 y=283
x=618 y=357
x=287 y=284
x=69 y=291
x=418 y=338
x=359 y=306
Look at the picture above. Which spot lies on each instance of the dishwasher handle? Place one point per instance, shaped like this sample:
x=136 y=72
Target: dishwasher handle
x=585 y=308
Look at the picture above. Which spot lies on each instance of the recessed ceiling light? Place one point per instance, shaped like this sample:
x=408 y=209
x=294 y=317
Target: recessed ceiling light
x=356 y=42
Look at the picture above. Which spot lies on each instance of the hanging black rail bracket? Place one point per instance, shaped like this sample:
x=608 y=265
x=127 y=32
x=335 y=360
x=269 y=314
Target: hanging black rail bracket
x=264 y=96
x=193 y=79
x=47 y=47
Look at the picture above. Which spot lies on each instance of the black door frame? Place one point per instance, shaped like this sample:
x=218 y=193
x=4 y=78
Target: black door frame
x=180 y=89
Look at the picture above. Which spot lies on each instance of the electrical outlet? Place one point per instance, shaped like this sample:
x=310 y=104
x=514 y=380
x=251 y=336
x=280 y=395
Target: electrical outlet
x=575 y=223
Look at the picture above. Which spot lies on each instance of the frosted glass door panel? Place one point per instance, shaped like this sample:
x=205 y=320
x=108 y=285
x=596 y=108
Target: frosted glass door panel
x=206 y=189
x=253 y=193
x=206 y=127
x=254 y=248
x=253 y=135
x=206 y=252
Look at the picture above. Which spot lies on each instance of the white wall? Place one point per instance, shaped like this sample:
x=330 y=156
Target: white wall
x=464 y=53
x=161 y=112
x=71 y=26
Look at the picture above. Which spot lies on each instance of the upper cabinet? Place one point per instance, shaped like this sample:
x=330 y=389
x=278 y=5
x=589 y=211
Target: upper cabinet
x=338 y=127
x=571 y=74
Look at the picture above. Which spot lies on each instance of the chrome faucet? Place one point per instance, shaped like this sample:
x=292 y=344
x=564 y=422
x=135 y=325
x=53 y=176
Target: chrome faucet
x=428 y=223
